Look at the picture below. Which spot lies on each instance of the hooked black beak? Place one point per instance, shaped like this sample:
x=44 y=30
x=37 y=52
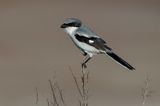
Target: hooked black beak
x=63 y=26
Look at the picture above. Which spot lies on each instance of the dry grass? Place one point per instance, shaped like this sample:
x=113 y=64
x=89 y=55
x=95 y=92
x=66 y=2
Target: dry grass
x=146 y=90
x=83 y=87
x=57 y=96
x=57 y=93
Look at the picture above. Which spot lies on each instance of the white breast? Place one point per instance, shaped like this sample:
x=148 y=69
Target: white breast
x=70 y=30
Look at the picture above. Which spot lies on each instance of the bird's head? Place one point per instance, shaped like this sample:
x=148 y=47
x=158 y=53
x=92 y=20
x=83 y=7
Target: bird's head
x=70 y=25
x=71 y=22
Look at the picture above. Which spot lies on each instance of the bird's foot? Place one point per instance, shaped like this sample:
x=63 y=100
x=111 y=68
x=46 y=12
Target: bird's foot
x=84 y=54
x=84 y=65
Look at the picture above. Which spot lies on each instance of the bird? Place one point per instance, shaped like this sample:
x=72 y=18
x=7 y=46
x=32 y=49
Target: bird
x=89 y=42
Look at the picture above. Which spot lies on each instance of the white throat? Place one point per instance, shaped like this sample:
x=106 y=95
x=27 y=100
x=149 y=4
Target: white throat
x=70 y=30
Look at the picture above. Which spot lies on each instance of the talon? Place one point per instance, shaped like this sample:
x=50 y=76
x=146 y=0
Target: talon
x=84 y=65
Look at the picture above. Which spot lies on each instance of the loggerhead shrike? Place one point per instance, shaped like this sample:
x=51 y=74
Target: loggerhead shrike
x=89 y=42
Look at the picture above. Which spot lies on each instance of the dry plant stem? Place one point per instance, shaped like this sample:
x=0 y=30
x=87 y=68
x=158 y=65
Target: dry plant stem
x=37 y=96
x=53 y=93
x=145 y=91
x=83 y=90
x=60 y=94
x=57 y=98
x=84 y=78
x=48 y=104
x=76 y=82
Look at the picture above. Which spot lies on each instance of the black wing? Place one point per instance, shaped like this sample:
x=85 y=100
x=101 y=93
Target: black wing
x=96 y=42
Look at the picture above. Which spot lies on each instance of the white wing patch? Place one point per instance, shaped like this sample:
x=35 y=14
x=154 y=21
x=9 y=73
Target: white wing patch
x=91 y=41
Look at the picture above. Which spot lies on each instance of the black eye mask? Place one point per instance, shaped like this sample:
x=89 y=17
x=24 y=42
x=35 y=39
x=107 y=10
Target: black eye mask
x=74 y=24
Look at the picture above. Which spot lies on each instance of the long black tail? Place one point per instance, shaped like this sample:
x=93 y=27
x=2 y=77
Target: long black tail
x=120 y=60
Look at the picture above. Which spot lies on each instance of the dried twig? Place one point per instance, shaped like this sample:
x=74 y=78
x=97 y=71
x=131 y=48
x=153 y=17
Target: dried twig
x=146 y=92
x=84 y=79
x=57 y=94
x=53 y=93
x=76 y=82
x=60 y=94
x=48 y=104
x=37 y=96
x=83 y=90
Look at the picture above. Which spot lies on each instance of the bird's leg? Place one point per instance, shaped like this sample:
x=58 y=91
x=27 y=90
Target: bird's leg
x=84 y=54
x=84 y=63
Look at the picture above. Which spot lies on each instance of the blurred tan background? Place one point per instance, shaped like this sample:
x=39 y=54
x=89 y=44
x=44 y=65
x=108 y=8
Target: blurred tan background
x=33 y=49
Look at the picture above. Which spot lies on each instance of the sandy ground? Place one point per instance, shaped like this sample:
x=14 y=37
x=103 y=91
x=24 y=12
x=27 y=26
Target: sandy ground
x=33 y=49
